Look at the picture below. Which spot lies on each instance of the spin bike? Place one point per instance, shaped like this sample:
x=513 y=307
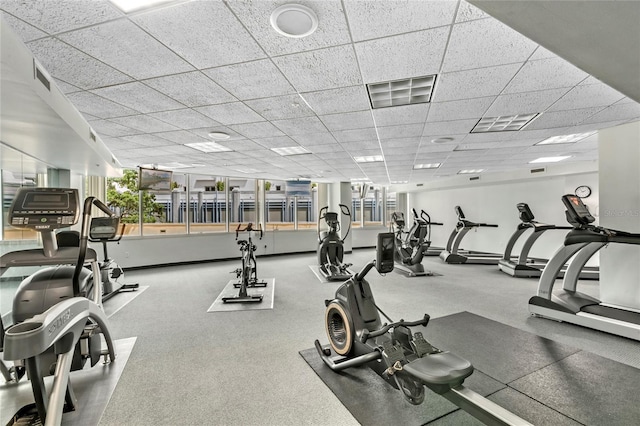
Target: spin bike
x=331 y=246
x=247 y=274
x=405 y=359
x=411 y=245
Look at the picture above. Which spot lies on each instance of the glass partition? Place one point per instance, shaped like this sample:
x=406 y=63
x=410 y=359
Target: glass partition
x=242 y=202
x=391 y=205
x=207 y=204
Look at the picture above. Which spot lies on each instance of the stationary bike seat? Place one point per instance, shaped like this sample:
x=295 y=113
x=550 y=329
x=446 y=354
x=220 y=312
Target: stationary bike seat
x=241 y=242
x=442 y=368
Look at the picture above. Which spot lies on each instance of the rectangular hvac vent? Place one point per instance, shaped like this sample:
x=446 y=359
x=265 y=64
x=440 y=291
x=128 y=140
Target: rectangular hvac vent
x=504 y=123
x=539 y=170
x=92 y=136
x=44 y=80
x=474 y=178
x=113 y=160
x=416 y=90
x=419 y=184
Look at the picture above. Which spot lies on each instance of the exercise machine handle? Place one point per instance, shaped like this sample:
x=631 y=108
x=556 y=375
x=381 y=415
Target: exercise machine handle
x=366 y=335
x=415 y=213
x=102 y=206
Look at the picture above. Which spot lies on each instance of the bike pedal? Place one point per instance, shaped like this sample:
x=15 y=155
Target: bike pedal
x=392 y=354
x=421 y=346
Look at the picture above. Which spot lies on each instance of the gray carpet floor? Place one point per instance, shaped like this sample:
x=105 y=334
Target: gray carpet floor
x=243 y=368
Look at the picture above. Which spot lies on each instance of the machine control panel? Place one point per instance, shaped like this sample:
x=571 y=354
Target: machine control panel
x=43 y=209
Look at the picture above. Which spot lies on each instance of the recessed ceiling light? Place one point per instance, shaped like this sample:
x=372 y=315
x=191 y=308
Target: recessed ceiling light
x=131 y=5
x=294 y=20
x=359 y=179
x=290 y=150
x=415 y=90
x=426 y=166
x=566 y=138
x=208 y=147
x=441 y=140
x=369 y=159
x=220 y=136
x=470 y=171
x=247 y=171
x=503 y=123
x=399 y=181
x=549 y=159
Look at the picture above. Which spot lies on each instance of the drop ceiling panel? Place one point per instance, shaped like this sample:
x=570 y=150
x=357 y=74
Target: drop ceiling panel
x=139 y=97
x=485 y=43
x=315 y=139
x=177 y=27
x=403 y=56
x=67 y=88
x=25 y=31
x=320 y=149
x=551 y=119
x=357 y=147
x=204 y=132
x=406 y=114
x=144 y=123
x=147 y=140
x=369 y=20
x=402 y=131
x=474 y=83
x=64 y=16
x=276 y=142
x=320 y=69
x=459 y=110
x=107 y=128
x=615 y=113
x=119 y=144
x=179 y=150
x=185 y=118
x=231 y=113
x=97 y=106
x=591 y=95
x=468 y=12
x=409 y=145
x=125 y=47
x=355 y=135
x=347 y=121
x=524 y=103
x=280 y=107
x=545 y=74
x=488 y=137
x=433 y=148
x=300 y=126
x=262 y=129
x=344 y=99
x=447 y=128
x=191 y=89
x=251 y=80
x=242 y=145
x=70 y=64
x=182 y=137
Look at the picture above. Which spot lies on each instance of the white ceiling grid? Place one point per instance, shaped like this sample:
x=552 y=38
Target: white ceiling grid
x=151 y=82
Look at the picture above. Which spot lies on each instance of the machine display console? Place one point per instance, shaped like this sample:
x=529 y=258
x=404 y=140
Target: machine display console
x=384 y=252
x=526 y=215
x=577 y=210
x=45 y=208
x=459 y=212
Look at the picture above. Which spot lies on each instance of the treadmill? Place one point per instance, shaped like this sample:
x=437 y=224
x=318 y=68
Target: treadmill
x=453 y=254
x=570 y=305
x=431 y=250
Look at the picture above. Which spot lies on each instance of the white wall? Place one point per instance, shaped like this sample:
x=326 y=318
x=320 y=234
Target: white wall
x=496 y=203
x=619 y=153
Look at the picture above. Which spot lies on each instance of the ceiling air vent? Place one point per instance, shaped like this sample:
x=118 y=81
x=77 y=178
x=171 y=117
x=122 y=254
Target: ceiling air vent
x=44 y=80
x=539 y=170
x=416 y=90
x=92 y=136
x=503 y=123
x=419 y=184
x=474 y=178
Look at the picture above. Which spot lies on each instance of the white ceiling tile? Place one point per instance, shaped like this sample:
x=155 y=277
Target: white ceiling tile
x=119 y=144
x=300 y=126
x=542 y=53
x=475 y=146
x=401 y=131
x=433 y=148
x=137 y=96
x=320 y=69
x=125 y=47
x=374 y=19
x=584 y=96
x=552 y=119
x=192 y=89
x=147 y=140
x=355 y=135
x=185 y=118
x=324 y=148
x=251 y=80
x=25 y=31
x=241 y=145
x=485 y=43
x=625 y=111
x=54 y=17
x=231 y=113
x=262 y=129
x=205 y=33
x=180 y=150
x=475 y=83
x=204 y=132
x=95 y=105
x=545 y=74
x=403 y=144
x=524 y=103
x=280 y=107
x=459 y=110
x=332 y=29
x=357 y=147
x=347 y=121
x=276 y=142
x=448 y=127
x=144 y=123
x=107 y=128
x=488 y=137
x=344 y=99
x=182 y=137
x=69 y=64
x=403 y=56
x=468 y=12
x=314 y=139
x=405 y=114
x=66 y=87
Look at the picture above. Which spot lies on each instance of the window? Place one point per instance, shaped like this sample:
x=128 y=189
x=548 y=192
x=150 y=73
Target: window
x=242 y=202
x=207 y=204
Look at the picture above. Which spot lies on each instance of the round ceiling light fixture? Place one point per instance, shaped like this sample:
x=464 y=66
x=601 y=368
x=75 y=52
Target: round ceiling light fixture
x=441 y=140
x=219 y=136
x=294 y=20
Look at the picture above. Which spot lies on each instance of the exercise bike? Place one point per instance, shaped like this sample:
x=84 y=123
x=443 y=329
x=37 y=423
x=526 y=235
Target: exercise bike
x=411 y=246
x=405 y=359
x=331 y=246
x=247 y=274
x=109 y=230
x=58 y=321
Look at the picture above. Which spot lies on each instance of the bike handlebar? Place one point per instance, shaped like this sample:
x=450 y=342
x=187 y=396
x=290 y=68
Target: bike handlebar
x=366 y=335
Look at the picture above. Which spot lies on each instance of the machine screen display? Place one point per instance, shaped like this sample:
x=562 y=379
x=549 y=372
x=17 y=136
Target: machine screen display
x=40 y=201
x=578 y=206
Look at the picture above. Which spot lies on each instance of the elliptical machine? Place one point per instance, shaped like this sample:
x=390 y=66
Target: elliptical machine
x=57 y=327
x=411 y=246
x=331 y=246
x=404 y=359
x=109 y=230
x=247 y=274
